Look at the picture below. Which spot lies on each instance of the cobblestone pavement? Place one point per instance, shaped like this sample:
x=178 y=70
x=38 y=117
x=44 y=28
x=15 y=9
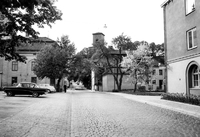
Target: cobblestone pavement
x=88 y=114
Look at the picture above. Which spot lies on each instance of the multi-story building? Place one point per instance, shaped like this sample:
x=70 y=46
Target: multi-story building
x=182 y=45
x=12 y=72
x=158 y=75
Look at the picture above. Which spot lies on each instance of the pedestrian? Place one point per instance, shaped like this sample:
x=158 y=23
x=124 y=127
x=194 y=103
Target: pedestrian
x=65 y=88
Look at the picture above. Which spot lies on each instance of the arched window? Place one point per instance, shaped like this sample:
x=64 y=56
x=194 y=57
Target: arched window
x=195 y=77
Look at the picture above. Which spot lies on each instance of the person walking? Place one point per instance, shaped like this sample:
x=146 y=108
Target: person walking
x=65 y=88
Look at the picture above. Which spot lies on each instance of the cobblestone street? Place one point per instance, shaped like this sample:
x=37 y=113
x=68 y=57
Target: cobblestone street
x=87 y=114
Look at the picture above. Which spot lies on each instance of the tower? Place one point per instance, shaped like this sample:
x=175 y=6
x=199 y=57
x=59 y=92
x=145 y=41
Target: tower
x=97 y=37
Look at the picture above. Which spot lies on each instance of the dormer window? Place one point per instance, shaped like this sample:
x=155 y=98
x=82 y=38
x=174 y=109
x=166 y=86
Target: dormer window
x=190 y=6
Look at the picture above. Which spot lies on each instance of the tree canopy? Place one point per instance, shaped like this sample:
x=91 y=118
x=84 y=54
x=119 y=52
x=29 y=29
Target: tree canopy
x=81 y=66
x=54 y=61
x=17 y=19
x=138 y=64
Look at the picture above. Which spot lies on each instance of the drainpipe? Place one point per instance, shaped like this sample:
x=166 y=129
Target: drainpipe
x=165 y=48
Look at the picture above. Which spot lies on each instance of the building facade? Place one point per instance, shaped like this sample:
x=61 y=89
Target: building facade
x=12 y=72
x=158 y=75
x=182 y=45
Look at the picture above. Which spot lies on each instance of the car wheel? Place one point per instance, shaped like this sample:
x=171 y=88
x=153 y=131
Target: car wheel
x=10 y=93
x=35 y=94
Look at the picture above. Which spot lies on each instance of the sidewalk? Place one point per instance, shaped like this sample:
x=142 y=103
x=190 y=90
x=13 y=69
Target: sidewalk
x=184 y=108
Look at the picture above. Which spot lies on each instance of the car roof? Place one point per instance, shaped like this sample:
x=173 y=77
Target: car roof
x=27 y=82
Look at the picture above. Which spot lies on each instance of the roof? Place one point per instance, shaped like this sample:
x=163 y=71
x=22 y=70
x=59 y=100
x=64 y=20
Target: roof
x=158 y=60
x=98 y=33
x=42 y=39
x=36 y=44
x=165 y=3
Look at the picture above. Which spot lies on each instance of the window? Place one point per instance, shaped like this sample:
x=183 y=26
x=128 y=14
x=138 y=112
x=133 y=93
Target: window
x=34 y=79
x=190 y=6
x=154 y=72
x=32 y=65
x=195 y=77
x=14 y=80
x=14 y=66
x=153 y=81
x=192 y=38
x=160 y=72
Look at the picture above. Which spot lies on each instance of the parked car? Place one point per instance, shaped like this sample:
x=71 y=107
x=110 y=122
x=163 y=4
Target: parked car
x=49 y=87
x=25 y=88
x=78 y=86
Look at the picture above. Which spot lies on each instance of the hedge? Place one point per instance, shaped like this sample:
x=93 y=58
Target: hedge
x=180 y=97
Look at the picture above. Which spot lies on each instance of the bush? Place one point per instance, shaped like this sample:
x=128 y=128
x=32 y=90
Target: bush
x=180 y=97
x=142 y=88
x=115 y=90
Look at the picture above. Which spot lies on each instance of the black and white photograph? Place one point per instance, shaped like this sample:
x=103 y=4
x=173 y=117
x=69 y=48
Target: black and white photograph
x=109 y=68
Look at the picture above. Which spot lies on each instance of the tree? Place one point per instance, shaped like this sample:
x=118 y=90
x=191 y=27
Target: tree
x=109 y=59
x=156 y=50
x=138 y=64
x=55 y=61
x=81 y=67
x=124 y=42
x=18 y=17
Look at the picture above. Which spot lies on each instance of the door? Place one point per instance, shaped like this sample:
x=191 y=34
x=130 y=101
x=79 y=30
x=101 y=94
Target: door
x=160 y=84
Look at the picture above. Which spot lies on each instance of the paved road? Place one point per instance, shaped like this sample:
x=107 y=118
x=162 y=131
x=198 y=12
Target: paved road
x=88 y=114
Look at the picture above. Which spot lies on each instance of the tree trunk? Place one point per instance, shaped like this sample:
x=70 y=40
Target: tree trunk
x=135 y=87
x=136 y=79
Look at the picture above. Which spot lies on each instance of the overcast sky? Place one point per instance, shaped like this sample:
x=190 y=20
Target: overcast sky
x=138 y=19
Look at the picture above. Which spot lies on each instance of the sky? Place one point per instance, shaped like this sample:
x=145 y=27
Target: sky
x=137 y=19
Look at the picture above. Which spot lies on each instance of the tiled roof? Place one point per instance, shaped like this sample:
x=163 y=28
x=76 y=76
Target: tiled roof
x=35 y=45
x=42 y=39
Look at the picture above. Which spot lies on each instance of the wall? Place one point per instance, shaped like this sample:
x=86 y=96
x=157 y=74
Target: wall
x=23 y=74
x=109 y=85
x=177 y=23
x=177 y=76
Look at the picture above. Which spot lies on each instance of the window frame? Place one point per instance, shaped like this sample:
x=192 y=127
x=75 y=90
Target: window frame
x=34 y=79
x=154 y=82
x=153 y=72
x=196 y=74
x=14 y=80
x=14 y=66
x=160 y=72
x=187 y=12
x=32 y=65
x=193 y=39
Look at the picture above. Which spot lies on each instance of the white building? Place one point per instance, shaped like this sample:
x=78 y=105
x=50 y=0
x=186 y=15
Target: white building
x=12 y=72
